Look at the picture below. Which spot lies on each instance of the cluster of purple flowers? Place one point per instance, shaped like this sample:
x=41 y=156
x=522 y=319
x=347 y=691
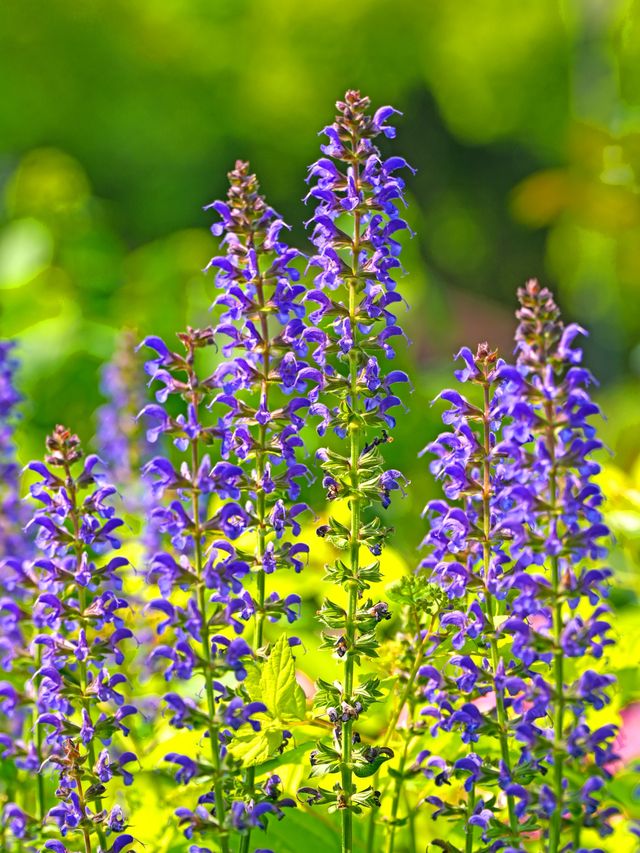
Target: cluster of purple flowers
x=354 y=228
x=120 y=438
x=74 y=652
x=565 y=535
x=15 y=601
x=11 y=512
x=234 y=523
x=513 y=547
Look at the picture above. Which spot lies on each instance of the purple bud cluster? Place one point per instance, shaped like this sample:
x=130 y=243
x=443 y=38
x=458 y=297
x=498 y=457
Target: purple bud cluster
x=513 y=547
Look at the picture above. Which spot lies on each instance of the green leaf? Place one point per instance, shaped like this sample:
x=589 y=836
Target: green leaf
x=274 y=684
x=279 y=688
x=256 y=747
x=289 y=756
x=252 y=682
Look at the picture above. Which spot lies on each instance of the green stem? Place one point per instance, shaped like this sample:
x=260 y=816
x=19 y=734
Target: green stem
x=42 y=804
x=555 y=829
x=468 y=837
x=213 y=728
x=85 y=831
x=577 y=830
x=82 y=605
x=261 y=512
x=396 y=796
x=346 y=769
x=411 y=823
x=489 y=603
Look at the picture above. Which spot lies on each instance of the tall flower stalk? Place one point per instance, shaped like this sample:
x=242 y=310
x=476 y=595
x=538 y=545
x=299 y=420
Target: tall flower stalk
x=79 y=618
x=195 y=565
x=565 y=534
x=201 y=520
x=469 y=539
x=18 y=748
x=120 y=436
x=12 y=543
x=264 y=388
x=354 y=227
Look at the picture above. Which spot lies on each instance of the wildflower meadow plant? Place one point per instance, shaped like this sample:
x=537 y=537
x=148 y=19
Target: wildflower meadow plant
x=355 y=222
x=77 y=643
x=468 y=705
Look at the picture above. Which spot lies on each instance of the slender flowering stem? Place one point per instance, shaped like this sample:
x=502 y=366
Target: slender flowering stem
x=207 y=669
x=264 y=386
x=356 y=215
x=261 y=458
x=346 y=769
x=469 y=558
x=214 y=655
x=555 y=828
x=78 y=604
x=549 y=400
x=78 y=547
x=488 y=598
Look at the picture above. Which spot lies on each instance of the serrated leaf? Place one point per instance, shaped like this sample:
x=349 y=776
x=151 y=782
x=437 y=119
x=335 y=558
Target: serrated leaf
x=255 y=748
x=252 y=682
x=279 y=688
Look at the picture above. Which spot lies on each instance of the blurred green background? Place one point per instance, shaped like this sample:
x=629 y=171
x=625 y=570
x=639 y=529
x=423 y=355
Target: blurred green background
x=119 y=121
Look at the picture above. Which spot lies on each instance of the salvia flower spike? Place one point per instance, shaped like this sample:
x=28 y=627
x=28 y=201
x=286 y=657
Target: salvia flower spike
x=565 y=542
x=79 y=616
x=197 y=564
x=468 y=541
x=12 y=543
x=265 y=387
x=18 y=708
x=354 y=229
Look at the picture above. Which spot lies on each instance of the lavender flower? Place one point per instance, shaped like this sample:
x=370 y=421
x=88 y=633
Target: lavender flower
x=17 y=706
x=354 y=224
x=79 y=616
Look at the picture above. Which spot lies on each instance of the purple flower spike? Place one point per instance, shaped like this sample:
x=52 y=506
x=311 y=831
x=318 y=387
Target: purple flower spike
x=512 y=550
x=79 y=613
x=251 y=407
x=356 y=194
